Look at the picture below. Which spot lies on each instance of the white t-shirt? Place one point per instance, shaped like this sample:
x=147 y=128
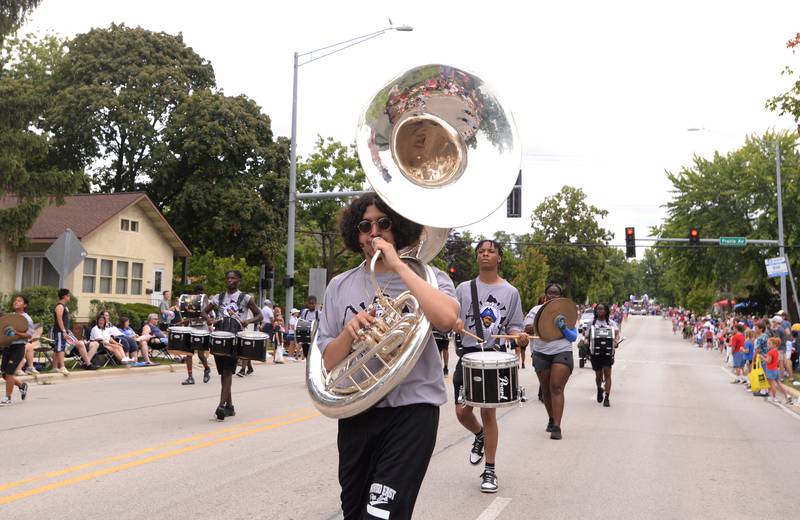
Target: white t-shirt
x=266 y=311
x=293 y=323
x=99 y=334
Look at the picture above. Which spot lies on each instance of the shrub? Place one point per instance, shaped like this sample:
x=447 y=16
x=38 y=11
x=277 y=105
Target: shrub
x=41 y=302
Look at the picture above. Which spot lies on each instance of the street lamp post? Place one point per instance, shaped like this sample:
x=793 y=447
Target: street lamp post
x=292 y=217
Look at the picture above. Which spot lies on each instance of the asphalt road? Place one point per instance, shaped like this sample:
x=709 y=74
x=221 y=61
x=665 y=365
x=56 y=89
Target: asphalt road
x=679 y=441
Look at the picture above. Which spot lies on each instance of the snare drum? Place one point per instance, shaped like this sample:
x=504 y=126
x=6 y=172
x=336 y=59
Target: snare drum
x=302 y=331
x=602 y=342
x=223 y=343
x=252 y=344
x=191 y=305
x=491 y=379
x=180 y=340
x=201 y=339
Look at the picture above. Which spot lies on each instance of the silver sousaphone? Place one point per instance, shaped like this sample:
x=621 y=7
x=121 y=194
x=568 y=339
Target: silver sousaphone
x=439 y=148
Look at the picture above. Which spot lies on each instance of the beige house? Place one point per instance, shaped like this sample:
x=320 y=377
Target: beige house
x=130 y=250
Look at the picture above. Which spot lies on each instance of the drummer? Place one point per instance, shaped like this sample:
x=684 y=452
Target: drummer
x=490 y=306
x=602 y=364
x=553 y=363
x=233 y=307
x=201 y=354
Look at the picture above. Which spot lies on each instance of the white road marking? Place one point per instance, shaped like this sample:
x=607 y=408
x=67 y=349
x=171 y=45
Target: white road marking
x=495 y=508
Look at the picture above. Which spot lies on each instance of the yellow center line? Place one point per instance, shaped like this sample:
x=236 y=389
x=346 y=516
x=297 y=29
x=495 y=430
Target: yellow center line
x=144 y=451
x=136 y=463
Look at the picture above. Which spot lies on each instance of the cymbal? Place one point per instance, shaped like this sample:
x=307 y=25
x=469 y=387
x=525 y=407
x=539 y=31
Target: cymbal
x=545 y=321
x=10 y=324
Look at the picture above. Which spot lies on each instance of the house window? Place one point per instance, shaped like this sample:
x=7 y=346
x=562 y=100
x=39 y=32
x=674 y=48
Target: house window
x=37 y=270
x=106 y=267
x=129 y=225
x=89 y=274
x=137 y=271
x=122 y=277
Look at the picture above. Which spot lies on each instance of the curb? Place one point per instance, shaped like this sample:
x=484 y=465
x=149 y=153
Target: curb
x=88 y=374
x=791 y=390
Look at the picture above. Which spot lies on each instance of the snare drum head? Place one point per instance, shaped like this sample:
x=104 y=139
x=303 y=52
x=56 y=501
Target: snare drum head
x=200 y=332
x=252 y=334
x=180 y=330
x=222 y=334
x=490 y=357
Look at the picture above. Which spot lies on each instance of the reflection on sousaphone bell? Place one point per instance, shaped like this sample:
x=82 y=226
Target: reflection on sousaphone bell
x=544 y=324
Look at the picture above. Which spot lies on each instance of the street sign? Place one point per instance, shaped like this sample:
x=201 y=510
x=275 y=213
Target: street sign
x=733 y=241
x=65 y=254
x=776 y=267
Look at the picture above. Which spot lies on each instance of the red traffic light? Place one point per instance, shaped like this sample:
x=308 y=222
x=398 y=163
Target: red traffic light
x=452 y=270
x=693 y=232
x=629 y=231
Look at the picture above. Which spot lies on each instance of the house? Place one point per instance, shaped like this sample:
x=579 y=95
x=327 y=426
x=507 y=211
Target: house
x=129 y=244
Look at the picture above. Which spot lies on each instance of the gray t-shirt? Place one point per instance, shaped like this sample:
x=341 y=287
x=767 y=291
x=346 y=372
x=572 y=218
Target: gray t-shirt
x=30 y=330
x=547 y=347
x=500 y=311
x=350 y=293
x=230 y=307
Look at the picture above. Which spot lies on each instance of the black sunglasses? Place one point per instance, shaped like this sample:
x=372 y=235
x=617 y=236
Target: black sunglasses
x=365 y=226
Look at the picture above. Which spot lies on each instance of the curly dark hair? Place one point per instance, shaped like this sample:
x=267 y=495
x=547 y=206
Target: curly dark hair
x=405 y=232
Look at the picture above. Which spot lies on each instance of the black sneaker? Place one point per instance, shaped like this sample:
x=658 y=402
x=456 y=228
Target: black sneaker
x=90 y=366
x=240 y=373
x=555 y=433
x=549 y=425
x=221 y=412
x=249 y=371
x=599 y=395
x=189 y=381
x=489 y=484
x=476 y=454
x=446 y=371
x=606 y=403
x=206 y=374
x=23 y=392
x=229 y=410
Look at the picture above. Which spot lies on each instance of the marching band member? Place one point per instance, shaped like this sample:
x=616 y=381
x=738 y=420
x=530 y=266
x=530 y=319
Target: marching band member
x=489 y=305
x=553 y=363
x=201 y=354
x=232 y=306
x=14 y=353
x=602 y=364
x=384 y=451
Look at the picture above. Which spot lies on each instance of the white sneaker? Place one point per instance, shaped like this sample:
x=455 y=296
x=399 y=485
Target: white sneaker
x=6 y=401
x=489 y=484
x=63 y=370
x=19 y=373
x=32 y=371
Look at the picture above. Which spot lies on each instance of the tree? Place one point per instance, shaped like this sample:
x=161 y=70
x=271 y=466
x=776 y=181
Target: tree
x=208 y=269
x=28 y=167
x=13 y=14
x=114 y=93
x=788 y=103
x=458 y=253
x=215 y=167
x=570 y=227
x=530 y=276
x=331 y=167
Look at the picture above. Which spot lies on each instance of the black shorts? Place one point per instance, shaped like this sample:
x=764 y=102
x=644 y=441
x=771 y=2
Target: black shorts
x=224 y=363
x=442 y=344
x=600 y=362
x=12 y=356
x=542 y=362
x=383 y=457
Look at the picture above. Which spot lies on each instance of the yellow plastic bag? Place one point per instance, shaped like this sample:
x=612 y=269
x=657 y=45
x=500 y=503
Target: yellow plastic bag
x=758 y=379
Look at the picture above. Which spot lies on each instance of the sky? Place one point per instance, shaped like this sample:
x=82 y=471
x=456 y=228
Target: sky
x=602 y=92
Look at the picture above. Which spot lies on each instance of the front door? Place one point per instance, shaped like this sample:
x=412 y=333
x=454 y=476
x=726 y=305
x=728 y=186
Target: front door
x=158 y=286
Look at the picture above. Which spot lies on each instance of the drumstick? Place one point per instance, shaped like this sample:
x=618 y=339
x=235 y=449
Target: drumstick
x=511 y=336
x=468 y=333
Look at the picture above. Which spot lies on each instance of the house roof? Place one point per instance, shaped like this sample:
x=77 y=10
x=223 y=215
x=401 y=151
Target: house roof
x=86 y=212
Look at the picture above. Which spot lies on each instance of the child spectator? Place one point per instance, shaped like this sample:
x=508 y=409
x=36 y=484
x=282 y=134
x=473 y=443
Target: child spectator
x=773 y=371
x=736 y=345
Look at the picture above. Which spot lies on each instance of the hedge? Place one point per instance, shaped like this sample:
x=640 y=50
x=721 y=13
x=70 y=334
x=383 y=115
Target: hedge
x=41 y=302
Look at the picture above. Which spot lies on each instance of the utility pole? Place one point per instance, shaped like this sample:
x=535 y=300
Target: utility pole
x=781 y=243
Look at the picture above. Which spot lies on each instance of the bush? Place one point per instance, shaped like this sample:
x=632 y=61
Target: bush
x=137 y=312
x=41 y=302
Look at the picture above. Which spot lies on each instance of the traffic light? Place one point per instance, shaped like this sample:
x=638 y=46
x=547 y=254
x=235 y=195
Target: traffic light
x=694 y=237
x=630 y=242
x=452 y=269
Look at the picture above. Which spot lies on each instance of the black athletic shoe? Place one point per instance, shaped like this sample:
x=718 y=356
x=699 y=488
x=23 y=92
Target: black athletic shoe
x=240 y=373
x=549 y=425
x=229 y=410
x=189 y=381
x=23 y=392
x=476 y=454
x=555 y=433
x=206 y=375
x=599 y=395
x=249 y=370
x=489 y=484
x=606 y=403
x=446 y=371
x=90 y=366
x=221 y=412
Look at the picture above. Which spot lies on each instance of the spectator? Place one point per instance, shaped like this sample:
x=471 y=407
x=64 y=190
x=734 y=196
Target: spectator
x=135 y=342
x=166 y=309
x=749 y=351
x=269 y=315
x=772 y=370
x=278 y=332
x=28 y=360
x=63 y=338
x=737 y=345
x=151 y=333
x=294 y=350
x=102 y=334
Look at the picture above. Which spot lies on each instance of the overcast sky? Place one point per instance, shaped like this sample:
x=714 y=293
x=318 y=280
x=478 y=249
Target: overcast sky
x=602 y=92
